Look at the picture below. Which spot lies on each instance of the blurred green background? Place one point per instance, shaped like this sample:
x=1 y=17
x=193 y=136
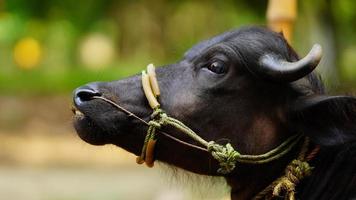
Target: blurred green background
x=48 y=48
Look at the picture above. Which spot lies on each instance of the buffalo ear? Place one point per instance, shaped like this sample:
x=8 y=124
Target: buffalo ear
x=327 y=120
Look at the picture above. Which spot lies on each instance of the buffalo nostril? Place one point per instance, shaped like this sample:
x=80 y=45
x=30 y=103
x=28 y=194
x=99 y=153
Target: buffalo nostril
x=83 y=94
x=86 y=95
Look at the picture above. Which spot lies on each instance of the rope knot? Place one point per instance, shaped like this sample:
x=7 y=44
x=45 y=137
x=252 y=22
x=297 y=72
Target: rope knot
x=294 y=172
x=226 y=155
x=155 y=124
x=297 y=170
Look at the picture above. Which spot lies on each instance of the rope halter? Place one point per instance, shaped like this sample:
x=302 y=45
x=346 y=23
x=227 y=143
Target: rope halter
x=226 y=155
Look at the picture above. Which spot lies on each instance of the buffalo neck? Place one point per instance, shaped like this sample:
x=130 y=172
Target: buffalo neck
x=249 y=180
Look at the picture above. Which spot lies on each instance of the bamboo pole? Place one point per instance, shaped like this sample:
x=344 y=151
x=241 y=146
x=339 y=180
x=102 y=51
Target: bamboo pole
x=281 y=15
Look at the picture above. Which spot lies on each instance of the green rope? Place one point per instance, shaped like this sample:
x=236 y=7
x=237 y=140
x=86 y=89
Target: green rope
x=295 y=171
x=226 y=155
x=151 y=134
x=288 y=143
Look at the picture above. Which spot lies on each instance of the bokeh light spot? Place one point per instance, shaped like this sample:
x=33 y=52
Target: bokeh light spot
x=97 y=51
x=27 y=53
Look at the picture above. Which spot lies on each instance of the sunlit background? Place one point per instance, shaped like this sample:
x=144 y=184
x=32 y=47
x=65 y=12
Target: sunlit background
x=48 y=48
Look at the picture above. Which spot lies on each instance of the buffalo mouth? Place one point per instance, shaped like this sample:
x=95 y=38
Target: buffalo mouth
x=98 y=122
x=78 y=115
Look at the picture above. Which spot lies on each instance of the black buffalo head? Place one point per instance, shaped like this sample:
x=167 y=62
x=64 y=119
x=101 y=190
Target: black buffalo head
x=247 y=87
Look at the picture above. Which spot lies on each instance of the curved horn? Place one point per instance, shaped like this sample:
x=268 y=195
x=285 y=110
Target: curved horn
x=273 y=67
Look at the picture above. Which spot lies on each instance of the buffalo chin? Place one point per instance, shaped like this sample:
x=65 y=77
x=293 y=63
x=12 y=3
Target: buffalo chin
x=88 y=131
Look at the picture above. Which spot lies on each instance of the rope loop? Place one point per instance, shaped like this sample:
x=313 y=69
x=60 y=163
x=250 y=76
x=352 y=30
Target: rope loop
x=156 y=112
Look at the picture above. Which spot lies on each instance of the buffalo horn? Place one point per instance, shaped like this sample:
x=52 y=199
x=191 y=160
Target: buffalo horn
x=277 y=69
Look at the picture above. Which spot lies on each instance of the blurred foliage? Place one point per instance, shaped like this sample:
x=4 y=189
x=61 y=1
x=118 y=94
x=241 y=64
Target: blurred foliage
x=135 y=33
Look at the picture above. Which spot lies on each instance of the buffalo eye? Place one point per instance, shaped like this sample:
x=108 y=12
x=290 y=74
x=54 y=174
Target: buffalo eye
x=217 y=67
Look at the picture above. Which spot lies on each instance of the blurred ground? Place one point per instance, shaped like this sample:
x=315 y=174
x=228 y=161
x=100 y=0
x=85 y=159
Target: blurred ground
x=83 y=184
x=41 y=158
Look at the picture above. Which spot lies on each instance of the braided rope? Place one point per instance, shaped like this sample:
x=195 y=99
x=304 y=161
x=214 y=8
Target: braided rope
x=293 y=174
x=150 y=136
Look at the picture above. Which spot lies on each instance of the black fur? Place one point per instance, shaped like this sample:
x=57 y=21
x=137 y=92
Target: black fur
x=334 y=174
